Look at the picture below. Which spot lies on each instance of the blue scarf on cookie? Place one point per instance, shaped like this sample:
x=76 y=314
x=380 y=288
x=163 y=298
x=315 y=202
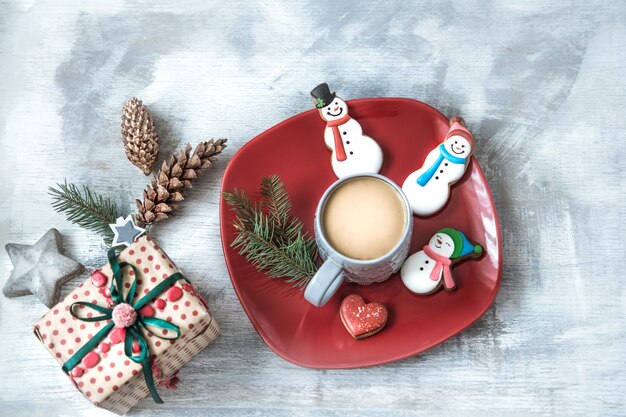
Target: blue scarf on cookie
x=443 y=154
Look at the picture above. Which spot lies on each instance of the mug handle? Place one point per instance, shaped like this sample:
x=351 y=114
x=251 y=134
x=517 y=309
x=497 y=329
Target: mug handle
x=324 y=283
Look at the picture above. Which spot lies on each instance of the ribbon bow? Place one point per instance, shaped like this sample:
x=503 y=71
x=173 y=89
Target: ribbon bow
x=133 y=323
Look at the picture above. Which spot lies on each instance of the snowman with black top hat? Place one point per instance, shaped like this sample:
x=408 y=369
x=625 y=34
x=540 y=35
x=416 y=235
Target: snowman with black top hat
x=352 y=151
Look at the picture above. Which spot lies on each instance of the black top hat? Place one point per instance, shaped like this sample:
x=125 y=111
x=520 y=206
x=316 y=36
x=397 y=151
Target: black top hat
x=322 y=95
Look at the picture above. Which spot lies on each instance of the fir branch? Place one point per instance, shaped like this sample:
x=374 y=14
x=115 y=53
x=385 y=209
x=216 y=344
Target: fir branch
x=276 y=199
x=87 y=209
x=271 y=238
x=277 y=203
x=242 y=206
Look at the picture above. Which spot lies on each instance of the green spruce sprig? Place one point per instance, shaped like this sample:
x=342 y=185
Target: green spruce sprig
x=270 y=237
x=85 y=208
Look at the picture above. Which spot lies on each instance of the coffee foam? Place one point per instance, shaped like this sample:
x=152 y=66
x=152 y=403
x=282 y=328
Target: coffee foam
x=364 y=218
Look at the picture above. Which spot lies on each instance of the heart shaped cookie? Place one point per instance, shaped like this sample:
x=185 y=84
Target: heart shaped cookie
x=361 y=319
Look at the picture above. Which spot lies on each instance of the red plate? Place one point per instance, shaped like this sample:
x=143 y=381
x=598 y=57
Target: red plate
x=315 y=337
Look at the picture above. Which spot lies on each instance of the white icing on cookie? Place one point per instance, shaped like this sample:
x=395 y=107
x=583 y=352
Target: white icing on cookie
x=428 y=188
x=425 y=271
x=417 y=268
x=352 y=152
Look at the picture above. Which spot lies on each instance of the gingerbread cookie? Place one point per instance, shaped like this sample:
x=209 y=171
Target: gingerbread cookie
x=352 y=151
x=426 y=271
x=428 y=188
x=360 y=319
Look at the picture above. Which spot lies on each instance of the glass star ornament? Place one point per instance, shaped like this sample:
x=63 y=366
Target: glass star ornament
x=40 y=269
x=125 y=231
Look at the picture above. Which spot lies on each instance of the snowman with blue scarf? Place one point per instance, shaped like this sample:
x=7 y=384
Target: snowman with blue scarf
x=428 y=188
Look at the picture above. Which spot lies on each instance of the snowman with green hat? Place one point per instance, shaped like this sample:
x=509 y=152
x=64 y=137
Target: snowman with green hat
x=426 y=271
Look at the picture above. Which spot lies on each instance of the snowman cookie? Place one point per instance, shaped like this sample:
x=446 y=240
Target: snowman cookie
x=352 y=151
x=428 y=188
x=426 y=271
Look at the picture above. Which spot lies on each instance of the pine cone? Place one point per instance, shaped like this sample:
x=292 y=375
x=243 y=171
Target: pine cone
x=174 y=176
x=139 y=135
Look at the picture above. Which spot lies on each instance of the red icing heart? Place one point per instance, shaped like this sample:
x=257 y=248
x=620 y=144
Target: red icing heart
x=362 y=320
x=117 y=335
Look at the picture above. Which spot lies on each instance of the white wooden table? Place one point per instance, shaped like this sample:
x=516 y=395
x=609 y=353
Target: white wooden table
x=541 y=85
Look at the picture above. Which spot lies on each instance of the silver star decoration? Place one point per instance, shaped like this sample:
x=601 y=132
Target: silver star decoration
x=125 y=231
x=40 y=269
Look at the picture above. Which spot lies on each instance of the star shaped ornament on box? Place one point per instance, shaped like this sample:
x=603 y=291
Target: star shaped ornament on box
x=40 y=269
x=125 y=231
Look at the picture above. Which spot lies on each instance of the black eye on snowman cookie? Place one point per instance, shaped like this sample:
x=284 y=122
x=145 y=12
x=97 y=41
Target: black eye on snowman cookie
x=458 y=147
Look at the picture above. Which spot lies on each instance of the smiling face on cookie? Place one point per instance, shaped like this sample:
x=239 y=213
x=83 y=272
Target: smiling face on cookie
x=458 y=146
x=335 y=110
x=442 y=244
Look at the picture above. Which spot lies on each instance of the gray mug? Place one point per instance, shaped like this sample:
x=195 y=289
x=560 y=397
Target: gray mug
x=338 y=267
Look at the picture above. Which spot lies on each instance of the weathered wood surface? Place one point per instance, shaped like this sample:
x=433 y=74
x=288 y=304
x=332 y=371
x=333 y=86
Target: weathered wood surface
x=540 y=83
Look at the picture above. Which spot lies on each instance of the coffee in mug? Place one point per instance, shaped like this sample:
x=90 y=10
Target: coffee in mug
x=363 y=226
x=363 y=218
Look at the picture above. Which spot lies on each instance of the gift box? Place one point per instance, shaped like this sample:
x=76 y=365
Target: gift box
x=128 y=328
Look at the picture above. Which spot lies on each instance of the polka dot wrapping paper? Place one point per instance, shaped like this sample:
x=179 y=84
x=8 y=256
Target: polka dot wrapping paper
x=106 y=376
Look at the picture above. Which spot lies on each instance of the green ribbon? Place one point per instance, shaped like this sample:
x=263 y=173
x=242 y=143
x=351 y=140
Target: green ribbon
x=133 y=332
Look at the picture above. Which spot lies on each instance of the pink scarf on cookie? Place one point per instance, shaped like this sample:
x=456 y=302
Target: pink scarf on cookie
x=442 y=263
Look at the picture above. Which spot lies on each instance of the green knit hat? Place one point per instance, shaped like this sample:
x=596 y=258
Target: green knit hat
x=462 y=246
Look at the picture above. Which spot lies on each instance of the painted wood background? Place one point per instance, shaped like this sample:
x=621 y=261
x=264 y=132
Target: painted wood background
x=541 y=84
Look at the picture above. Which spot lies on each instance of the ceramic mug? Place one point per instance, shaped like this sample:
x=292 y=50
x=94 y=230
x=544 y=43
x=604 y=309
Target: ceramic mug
x=338 y=267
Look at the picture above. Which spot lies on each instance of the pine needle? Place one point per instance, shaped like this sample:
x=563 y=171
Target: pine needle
x=85 y=208
x=276 y=199
x=271 y=238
